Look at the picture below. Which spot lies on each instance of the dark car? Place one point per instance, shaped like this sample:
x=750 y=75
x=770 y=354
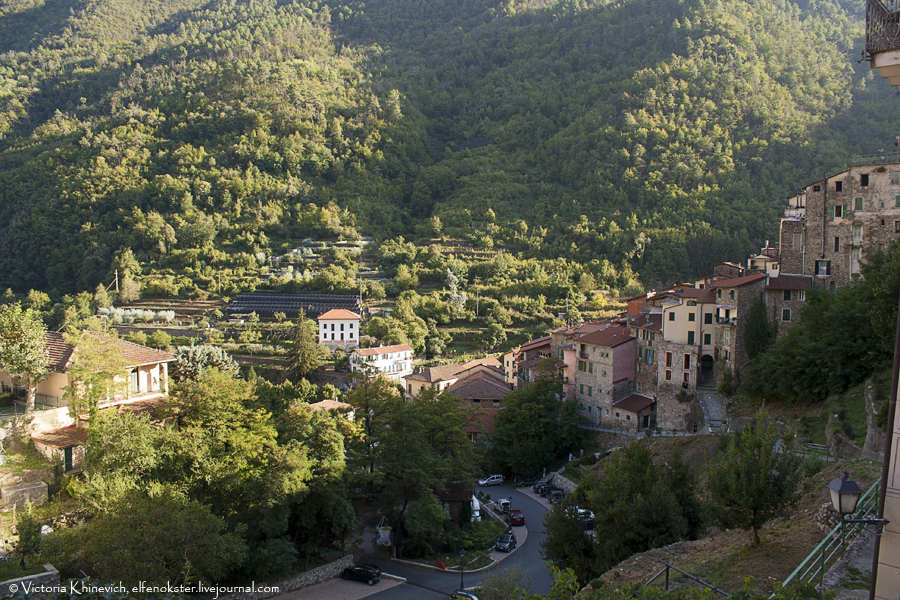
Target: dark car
x=539 y=486
x=506 y=542
x=548 y=490
x=516 y=517
x=368 y=573
x=526 y=481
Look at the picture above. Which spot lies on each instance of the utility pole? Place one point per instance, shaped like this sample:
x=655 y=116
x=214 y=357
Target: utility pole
x=117 y=281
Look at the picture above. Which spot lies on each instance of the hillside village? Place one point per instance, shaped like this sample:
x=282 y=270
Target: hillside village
x=656 y=367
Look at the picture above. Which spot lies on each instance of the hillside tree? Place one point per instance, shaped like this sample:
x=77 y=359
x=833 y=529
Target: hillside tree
x=23 y=348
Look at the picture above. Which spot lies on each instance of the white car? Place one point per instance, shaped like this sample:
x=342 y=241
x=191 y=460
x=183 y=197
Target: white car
x=491 y=480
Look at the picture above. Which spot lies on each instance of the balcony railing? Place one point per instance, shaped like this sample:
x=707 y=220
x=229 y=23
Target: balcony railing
x=882 y=26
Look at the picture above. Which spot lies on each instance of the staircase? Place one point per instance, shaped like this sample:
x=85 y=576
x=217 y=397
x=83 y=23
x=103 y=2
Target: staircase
x=713 y=406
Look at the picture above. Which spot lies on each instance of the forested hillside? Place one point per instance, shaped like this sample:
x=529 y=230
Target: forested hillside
x=183 y=140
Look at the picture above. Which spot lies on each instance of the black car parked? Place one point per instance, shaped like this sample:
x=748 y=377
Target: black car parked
x=539 y=486
x=548 y=490
x=368 y=573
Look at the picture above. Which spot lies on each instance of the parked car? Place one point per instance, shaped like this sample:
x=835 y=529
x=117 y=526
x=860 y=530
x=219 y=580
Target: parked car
x=504 y=504
x=539 y=486
x=491 y=480
x=371 y=574
x=516 y=517
x=556 y=496
x=526 y=481
x=587 y=518
x=546 y=491
x=506 y=542
x=463 y=595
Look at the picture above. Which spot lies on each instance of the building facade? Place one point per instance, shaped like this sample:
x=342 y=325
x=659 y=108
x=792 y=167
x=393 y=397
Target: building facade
x=604 y=371
x=339 y=328
x=394 y=362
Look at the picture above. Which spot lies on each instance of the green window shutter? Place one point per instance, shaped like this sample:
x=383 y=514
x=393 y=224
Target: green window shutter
x=581 y=388
x=690 y=337
x=896 y=202
x=590 y=390
x=859 y=203
x=828 y=267
x=707 y=318
x=590 y=367
x=640 y=353
x=691 y=316
x=671 y=316
x=830 y=212
x=707 y=339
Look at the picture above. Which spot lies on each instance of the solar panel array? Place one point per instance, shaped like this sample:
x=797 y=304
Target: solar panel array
x=313 y=305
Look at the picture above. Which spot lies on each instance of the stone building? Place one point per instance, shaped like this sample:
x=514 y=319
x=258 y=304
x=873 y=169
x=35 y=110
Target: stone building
x=562 y=338
x=785 y=296
x=830 y=228
x=733 y=300
x=647 y=331
x=604 y=371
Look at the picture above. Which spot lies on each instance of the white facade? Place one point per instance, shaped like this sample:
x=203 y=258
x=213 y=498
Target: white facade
x=339 y=329
x=395 y=362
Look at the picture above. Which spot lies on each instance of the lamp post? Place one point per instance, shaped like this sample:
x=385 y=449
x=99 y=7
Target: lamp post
x=844 y=497
x=462 y=568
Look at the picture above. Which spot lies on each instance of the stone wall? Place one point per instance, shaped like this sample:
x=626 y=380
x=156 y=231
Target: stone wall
x=49 y=577
x=873 y=449
x=305 y=579
x=563 y=483
x=17 y=495
x=791 y=258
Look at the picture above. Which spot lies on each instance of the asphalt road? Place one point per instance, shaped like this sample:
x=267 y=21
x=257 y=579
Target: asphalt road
x=422 y=584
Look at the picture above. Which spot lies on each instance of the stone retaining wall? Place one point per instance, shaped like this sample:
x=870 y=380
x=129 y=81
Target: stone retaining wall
x=49 y=577
x=305 y=579
x=563 y=483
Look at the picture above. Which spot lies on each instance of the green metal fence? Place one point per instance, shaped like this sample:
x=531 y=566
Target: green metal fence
x=829 y=550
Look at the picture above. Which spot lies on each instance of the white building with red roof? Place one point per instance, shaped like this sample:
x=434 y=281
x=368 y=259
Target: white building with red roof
x=394 y=362
x=339 y=328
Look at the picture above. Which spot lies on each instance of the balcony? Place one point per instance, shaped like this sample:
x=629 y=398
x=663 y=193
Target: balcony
x=883 y=38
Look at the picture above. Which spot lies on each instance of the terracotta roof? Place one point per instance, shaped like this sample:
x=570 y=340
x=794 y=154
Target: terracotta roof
x=479 y=386
x=138 y=406
x=705 y=295
x=135 y=354
x=65 y=437
x=635 y=403
x=63 y=354
x=582 y=328
x=330 y=405
x=59 y=352
x=338 y=314
x=789 y=282
x=535 y=343
x=738 y=281
x=383 y=350
x=445 y=372
x=647 y=320
x=609 y=338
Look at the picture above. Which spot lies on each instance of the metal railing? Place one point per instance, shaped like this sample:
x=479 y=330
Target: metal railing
x=665 y=571
x=830 y=549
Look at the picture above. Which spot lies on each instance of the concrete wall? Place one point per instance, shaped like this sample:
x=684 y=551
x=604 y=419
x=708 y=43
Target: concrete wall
x=50 y=577
x=18 y=495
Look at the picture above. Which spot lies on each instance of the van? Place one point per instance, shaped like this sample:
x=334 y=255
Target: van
x=476 y=509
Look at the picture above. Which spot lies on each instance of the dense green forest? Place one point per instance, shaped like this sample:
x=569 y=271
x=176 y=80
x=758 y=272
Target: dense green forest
x=185 y=142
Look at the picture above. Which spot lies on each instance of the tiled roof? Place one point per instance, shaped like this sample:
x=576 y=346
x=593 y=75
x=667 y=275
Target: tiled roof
x=383 y=350
x=705 y=295
x=445 y=372
x=738 y=281
x=535 y=343
x=59 y=352
x=330 y=405
x=135 y=354
x=647 y=320
x=583 y=328
x=338 y=314
x=479 y=386
x=789 y=282
x=62 y=354
x=609 y=338
x=65 y=437
x=635 y=403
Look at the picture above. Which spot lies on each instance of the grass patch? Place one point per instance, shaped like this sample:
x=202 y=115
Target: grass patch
x=856 y=579
x=22 y=457
x=12 y=569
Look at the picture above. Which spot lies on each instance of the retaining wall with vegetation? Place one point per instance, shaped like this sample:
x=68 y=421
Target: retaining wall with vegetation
x=305 y=579
x=50 y=577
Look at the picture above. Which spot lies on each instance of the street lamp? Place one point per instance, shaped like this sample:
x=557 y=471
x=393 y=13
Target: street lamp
x=462 y=568
x=844 y=497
